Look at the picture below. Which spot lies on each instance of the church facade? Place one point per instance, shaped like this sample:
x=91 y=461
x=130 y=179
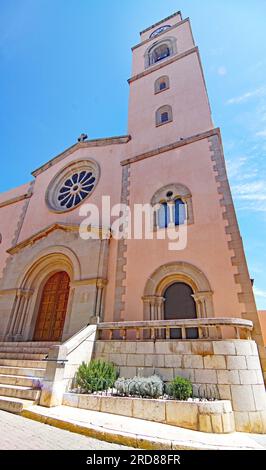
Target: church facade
x=54 y=282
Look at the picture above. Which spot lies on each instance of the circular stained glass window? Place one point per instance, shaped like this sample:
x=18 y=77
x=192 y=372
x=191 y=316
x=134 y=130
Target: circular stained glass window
x=76 y=188
x=72 y=186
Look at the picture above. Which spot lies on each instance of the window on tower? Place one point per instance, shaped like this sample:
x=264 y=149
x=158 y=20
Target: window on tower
x=159 y=51
x=172 y=206
x=164 y=115
x=171 y=213
x=161 y=84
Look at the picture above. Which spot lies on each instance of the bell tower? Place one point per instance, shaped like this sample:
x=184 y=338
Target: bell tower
x=168 y=97
x=176 y=150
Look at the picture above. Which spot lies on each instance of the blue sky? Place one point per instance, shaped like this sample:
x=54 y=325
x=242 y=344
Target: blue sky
x=64 y=66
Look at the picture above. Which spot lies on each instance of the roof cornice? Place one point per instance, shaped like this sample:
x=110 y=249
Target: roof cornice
x=79 y=145
x=162 y=21
x=161 y=34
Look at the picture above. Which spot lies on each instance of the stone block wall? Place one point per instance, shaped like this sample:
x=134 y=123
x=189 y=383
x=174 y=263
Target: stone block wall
x=225 y=369
x=214 y=417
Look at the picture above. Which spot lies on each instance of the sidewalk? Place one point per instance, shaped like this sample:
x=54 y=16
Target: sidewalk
x=137 y=433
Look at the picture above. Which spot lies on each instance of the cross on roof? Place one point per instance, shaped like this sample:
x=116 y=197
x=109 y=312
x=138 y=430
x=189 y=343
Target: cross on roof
x=82 y=137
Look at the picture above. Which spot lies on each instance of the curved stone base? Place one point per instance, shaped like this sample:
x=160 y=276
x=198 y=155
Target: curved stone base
x=223 y=370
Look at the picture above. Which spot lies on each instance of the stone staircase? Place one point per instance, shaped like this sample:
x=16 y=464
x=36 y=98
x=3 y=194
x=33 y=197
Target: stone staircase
x=22 y=368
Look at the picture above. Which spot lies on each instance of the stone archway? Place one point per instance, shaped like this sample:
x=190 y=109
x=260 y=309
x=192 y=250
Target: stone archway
x=30 y=288
x=177 y=272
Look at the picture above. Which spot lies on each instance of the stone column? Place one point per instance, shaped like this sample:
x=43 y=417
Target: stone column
x=18 y=316
x=23 y=316
x=153 y=309
x=98 y=312
x=171 y=206
x=160 y=308
x=201 y=299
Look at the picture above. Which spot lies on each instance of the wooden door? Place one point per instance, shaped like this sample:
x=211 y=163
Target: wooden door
x=52 y=311
x=179 y=304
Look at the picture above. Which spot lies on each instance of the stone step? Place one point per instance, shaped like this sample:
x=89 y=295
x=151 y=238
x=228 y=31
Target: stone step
x=14 y=405
x=23 y=363
x=33 y=382
x=19 y=391
x=30 y=349
x=18 y=355
x=22 y=371
x=33 y=344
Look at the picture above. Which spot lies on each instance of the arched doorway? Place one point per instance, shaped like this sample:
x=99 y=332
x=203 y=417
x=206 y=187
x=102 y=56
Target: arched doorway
x=52 y=310
x=179 y=304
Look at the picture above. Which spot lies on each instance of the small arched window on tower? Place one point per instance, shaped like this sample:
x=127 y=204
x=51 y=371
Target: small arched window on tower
x=161 y=84
x=164 y=115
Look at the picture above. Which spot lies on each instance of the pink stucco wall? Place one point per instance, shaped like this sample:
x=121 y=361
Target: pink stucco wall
x=207 y=242
x=9 y=218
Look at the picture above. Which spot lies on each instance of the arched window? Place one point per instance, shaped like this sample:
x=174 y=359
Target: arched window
x=160 y=53
x=172 y=206
x=161 y=84
x=180 y=304
x=164 y=115
x=160 y=50
x=171 y=213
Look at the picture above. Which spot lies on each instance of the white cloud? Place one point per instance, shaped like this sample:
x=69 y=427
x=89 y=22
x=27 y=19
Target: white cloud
x=252 y=195
x=261 y=133
x=234 y=167
x=260 y=293
x=246 y=96
x=222 y=71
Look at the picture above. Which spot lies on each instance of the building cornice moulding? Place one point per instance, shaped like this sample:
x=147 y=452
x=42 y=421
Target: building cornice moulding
x=160 y=35
x=16 y=199
x=102 y=233
x=98 y=281
x=17 y=291
x=174 y=145
x=163 y=64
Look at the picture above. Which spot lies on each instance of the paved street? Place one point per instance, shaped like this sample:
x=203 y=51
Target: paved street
x=18 y=433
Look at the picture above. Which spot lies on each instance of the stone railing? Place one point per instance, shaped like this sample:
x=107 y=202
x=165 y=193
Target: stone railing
x=198 y=328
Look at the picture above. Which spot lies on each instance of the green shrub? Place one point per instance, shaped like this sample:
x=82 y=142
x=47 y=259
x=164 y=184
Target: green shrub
x=96 y=376
x=150 y=387
x=180 y=388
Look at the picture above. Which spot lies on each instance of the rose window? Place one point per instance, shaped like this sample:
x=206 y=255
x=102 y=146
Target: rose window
x=72 y=185
x=76 y=188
